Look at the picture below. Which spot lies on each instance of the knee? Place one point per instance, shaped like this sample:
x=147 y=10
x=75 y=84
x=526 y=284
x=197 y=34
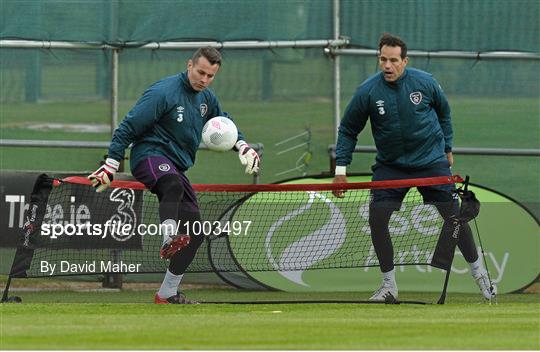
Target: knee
x=379 y=216
x=169 y=185
x=373 y=221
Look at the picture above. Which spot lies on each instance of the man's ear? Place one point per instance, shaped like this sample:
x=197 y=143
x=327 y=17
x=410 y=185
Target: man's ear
x=189 y=64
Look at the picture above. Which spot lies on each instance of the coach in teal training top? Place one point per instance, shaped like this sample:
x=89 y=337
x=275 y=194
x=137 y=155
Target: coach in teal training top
x=410 y=121
x=411 y=126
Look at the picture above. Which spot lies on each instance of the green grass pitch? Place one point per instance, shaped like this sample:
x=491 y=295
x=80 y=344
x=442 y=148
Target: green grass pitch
x=127 y=320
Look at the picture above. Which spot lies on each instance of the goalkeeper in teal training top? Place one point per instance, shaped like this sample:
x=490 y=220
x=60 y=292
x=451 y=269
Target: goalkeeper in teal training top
x=411 y=126
x=164 y=128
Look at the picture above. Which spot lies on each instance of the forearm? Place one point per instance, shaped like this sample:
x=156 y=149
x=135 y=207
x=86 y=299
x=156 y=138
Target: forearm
x=442 y=108
x=345 y=147
x=123 y=136
x=353 y=122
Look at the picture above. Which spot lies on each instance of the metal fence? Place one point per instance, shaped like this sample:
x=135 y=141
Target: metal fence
x=334 y=48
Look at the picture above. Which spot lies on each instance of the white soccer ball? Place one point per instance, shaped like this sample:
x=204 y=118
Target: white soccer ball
x=219 y=134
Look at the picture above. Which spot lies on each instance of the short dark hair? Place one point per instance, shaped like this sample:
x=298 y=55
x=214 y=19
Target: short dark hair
x=392 y=40
x=211 y=54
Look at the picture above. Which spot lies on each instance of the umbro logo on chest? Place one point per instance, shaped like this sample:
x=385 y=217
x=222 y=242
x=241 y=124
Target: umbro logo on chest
x=380 y=107
x=180 y=113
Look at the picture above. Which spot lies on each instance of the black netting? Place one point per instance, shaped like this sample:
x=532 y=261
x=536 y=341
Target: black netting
x=272 y=230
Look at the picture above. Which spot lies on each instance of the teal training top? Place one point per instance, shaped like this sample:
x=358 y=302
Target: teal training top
x=410 y=121
x=167 y=120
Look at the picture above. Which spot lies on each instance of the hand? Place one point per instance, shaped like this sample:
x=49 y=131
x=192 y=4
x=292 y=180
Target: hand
x=248 y=157
x=339 y=179
x=102 y=177
x=450 y=158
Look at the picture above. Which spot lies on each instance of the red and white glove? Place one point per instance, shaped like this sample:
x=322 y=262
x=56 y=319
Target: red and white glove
x=102 y=177
x=248 y=157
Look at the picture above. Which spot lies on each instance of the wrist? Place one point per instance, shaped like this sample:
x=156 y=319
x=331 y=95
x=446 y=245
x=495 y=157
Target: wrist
x=341 y=171
x=111 y=165
x=240 y=145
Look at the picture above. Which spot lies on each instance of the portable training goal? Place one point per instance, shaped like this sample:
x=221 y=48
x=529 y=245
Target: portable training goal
x=288 y=228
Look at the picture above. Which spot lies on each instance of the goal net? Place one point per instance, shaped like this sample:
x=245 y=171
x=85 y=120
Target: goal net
x=72 y=230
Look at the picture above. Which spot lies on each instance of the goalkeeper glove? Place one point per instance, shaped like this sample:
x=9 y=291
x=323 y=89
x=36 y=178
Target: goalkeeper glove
x=248 y=157
x=102 y=177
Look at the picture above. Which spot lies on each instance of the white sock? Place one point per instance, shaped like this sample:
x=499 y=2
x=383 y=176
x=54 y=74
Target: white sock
x=390 y=276
x=477 y=267
x=170 y=284
x=168 y=229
